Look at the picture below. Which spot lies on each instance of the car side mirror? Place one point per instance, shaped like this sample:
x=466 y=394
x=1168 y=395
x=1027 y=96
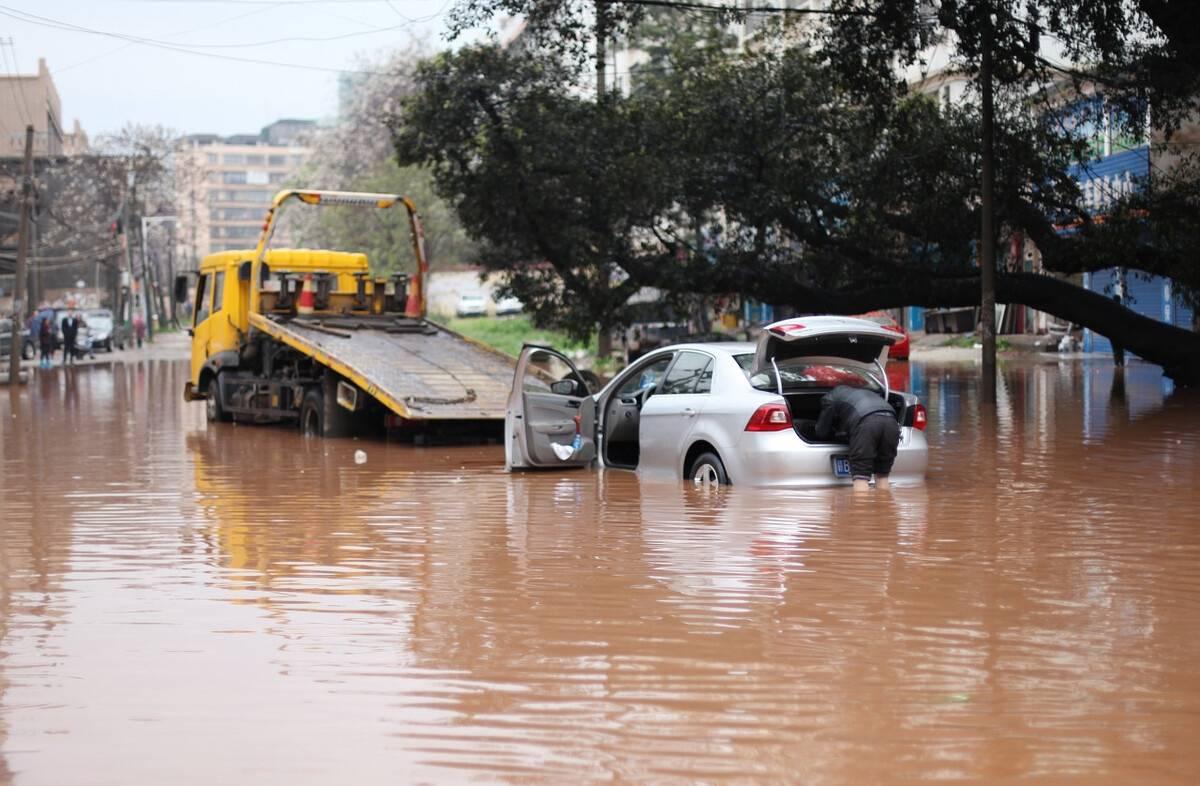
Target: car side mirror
x=563 y=387
x=181 y=289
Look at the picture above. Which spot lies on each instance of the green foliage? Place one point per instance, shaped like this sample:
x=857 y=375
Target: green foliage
x=779 y=173
x=384 y=235
x=508 y=334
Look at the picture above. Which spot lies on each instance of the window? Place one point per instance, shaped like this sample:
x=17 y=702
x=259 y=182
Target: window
x=544 y=369
x=234 y=159
x=212 y=158
x=691 y=373
x=645 y=377
x=296 y=160
x=277 y=161
x=218 y=292
x=278 y=177
x=202 y=299
x=233 y=178
x=255 y=159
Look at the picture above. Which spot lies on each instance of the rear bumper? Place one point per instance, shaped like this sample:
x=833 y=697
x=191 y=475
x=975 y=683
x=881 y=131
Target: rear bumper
x=782 y=459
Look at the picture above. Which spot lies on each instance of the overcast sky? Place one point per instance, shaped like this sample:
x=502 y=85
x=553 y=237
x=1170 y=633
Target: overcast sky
x=107 y=82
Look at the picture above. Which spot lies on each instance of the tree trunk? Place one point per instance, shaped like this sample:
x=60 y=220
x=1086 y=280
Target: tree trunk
x=1175 y=349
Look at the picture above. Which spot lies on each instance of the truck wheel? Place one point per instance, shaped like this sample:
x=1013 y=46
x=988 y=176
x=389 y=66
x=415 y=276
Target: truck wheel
x=212 y=406
x=708 y=471
x=312 y=414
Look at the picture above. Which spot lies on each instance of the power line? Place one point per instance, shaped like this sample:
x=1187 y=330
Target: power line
x=18 y=96
x=269 y=42
x=264 y=7
x=55 y=24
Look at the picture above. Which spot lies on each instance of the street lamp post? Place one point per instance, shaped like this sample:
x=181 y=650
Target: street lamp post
x=147 y=221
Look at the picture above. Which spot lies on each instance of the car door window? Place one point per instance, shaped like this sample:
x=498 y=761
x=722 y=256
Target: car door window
x=646 y=376
x=545 y=368
x=691 y=373
x=202 y=298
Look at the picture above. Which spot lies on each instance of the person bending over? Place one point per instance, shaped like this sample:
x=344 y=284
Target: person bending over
x=869 y=425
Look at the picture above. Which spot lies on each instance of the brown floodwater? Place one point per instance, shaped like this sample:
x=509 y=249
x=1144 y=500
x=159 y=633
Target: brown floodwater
x=189 y=604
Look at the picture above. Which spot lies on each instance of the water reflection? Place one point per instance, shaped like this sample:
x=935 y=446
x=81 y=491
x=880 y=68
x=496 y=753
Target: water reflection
x=169 y=589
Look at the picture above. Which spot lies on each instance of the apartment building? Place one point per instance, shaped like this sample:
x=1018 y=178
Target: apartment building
x=225 y=185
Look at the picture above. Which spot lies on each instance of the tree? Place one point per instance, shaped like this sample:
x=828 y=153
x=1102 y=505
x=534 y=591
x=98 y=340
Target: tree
x=764 y=174
x=356 y=155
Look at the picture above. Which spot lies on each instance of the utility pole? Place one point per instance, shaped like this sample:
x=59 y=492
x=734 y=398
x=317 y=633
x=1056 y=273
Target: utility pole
x=987 y=246
x=150 y=274
x=14 y=350
x=603 y=336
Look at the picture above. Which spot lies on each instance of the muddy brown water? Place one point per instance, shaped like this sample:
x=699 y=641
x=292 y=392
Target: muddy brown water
x=190 y=604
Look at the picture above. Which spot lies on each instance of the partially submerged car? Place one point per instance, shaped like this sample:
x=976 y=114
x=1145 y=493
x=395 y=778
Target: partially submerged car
x=713 y=413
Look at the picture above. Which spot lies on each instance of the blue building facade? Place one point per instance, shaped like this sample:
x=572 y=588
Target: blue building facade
x=1103 y=180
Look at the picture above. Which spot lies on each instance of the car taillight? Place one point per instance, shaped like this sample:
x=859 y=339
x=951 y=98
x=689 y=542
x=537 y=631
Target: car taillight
x=920 y=417
x=770 y=417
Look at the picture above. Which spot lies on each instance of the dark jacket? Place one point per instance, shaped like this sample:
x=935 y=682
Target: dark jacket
x=70 y=329
x=843 y=407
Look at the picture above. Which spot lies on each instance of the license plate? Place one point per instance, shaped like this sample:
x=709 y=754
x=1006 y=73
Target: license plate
x=841 y=466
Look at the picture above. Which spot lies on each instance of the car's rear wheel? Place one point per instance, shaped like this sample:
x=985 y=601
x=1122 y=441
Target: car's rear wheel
x=707 y=471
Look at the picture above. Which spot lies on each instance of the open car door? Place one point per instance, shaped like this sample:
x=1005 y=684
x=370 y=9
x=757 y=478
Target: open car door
x=551 y=416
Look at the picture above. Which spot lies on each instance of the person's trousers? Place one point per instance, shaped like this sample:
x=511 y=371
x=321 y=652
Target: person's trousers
x=873 y=444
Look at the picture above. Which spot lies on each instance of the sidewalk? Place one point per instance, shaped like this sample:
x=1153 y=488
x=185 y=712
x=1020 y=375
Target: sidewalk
x=176 y=345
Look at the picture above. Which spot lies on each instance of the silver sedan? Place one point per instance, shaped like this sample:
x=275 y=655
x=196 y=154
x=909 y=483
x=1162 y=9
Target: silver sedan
x=712 y=413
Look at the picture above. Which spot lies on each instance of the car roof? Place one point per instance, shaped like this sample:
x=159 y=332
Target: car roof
x=726 y=347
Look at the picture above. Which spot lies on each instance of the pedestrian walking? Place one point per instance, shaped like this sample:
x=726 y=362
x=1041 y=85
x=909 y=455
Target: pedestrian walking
x=869 y=424
x=70 y=331
x=139 y=328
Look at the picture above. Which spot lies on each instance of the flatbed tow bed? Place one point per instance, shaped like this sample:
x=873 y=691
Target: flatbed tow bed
x=418 y=369
x=313 y=337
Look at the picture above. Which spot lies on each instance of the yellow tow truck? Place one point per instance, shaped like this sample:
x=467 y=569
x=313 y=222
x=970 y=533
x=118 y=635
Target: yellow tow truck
x=312 y=337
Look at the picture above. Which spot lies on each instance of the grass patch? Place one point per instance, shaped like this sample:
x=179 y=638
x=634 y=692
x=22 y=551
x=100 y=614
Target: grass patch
x=969 y=342
x=507 y=334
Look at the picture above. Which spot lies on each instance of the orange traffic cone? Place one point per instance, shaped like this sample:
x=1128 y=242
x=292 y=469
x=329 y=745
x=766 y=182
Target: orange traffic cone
x=304 y=305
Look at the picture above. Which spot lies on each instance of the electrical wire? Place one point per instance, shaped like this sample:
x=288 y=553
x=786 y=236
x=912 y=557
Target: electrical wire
x=18 y=96
x=66 y=26
x=263 y=7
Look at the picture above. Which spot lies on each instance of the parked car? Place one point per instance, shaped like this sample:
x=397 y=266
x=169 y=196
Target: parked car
x=471 y=306
x=107 y=333
x=507 y=306
x=6 y=338
x=728 y=412
x=899 y=350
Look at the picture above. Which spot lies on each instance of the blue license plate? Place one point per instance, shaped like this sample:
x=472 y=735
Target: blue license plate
x=841 y=466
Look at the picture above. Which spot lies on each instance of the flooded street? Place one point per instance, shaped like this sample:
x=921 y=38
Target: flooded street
x=185 y=603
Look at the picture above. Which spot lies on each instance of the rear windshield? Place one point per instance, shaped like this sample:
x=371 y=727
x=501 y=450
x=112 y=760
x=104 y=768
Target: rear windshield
x=818 y=375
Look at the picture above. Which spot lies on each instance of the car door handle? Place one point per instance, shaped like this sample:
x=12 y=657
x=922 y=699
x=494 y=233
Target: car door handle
x=573 y=404
x=688 y=412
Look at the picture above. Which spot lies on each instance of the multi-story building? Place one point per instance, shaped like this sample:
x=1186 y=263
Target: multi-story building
x=225 y=185
x=32 y=99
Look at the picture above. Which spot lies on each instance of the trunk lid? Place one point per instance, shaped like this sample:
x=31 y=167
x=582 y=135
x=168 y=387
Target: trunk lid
x=823 y=336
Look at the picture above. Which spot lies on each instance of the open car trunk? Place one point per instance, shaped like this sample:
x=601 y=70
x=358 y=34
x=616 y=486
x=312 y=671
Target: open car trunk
x=806 y=408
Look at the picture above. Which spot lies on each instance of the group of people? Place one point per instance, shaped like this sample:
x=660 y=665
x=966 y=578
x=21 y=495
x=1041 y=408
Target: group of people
x=42 y=327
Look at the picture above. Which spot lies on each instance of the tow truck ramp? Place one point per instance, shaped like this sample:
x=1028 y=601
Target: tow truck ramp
x=416 y=368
